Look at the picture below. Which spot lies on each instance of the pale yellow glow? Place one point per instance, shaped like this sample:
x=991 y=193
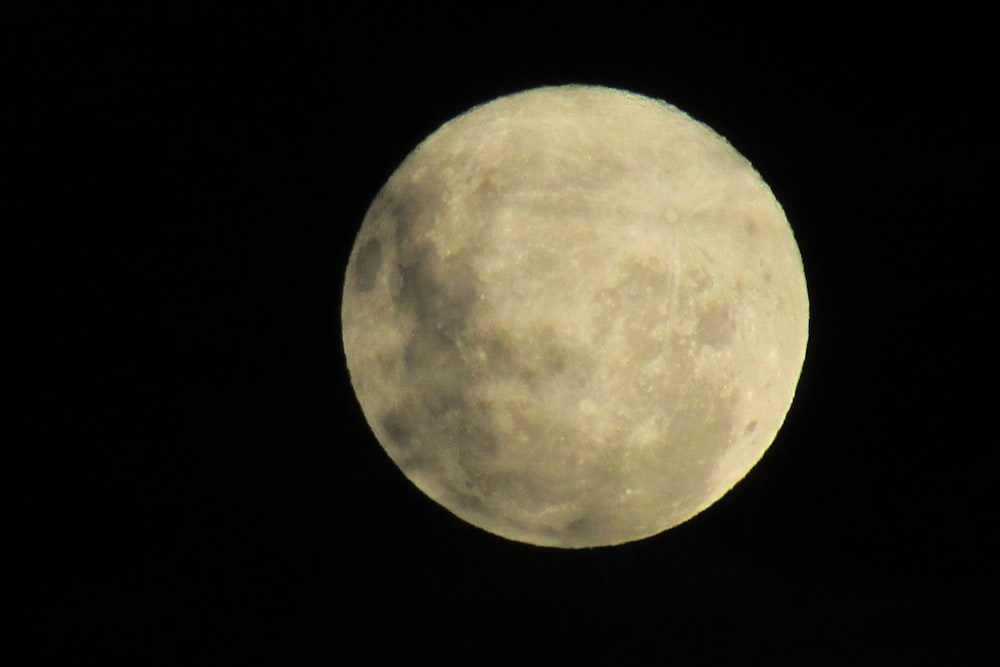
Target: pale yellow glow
x=575 y=317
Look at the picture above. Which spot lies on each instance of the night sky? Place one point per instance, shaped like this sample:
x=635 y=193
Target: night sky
x=201 y=484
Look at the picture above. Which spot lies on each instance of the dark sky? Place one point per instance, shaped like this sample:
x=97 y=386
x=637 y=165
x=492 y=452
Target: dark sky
x=201 y=482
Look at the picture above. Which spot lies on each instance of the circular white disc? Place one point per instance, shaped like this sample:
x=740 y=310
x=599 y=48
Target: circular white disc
x=575 y=317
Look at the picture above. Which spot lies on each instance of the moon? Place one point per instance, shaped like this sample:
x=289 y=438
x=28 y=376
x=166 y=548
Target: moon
x=575 y=317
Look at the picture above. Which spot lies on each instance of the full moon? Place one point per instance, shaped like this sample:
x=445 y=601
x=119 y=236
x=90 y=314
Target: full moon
x=575 y=317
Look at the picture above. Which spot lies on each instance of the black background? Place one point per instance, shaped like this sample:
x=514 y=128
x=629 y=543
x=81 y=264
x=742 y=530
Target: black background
x=202 y=484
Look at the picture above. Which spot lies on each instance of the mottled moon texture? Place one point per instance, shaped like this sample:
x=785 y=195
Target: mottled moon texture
x=575 y=317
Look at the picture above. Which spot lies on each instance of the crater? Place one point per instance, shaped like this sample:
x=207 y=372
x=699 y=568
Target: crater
x=716 y=327
x=486 y=193
x=440 y=292
x=367 y=263
x=413 y=207
x=395 y=426
x=586 y=528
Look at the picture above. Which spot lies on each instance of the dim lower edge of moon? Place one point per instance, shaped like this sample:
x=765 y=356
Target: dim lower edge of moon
x=575 y=317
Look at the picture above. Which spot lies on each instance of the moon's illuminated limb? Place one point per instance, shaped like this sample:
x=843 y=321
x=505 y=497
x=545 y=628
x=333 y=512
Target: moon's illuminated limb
x=575 y=317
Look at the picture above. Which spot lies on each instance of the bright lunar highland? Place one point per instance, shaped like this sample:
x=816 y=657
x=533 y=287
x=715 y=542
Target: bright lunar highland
x=575 y=317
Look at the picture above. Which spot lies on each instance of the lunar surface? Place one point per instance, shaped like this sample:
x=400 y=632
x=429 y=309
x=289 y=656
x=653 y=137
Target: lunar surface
x=575 y=317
